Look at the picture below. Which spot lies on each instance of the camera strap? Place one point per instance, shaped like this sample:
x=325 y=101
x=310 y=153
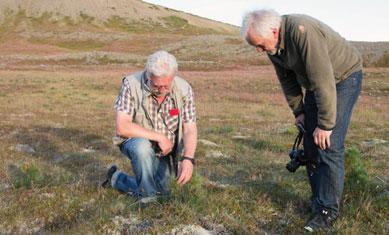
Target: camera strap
x=297 y=141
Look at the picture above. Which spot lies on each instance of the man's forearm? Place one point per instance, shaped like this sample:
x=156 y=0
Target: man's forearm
x=190 y=139
x=132 y=130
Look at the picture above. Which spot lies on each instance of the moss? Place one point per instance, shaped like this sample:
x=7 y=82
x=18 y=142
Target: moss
x=81 y=45
x=175 y=21
x=86 y=18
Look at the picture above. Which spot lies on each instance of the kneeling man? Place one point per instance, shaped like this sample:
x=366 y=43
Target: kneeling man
x=155 y=127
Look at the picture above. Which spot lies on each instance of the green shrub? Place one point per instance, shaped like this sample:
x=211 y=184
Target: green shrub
x=193 y=192
x=356 y=177
x=28 y=176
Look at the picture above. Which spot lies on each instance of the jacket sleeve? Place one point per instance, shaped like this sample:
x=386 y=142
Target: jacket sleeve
x=311 y=43
x=292 y=90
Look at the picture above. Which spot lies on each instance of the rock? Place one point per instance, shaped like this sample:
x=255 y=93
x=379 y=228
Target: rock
x=283 y=130
x=374 y=142
x=120 y=221
x=48 y=195
x=130 y=224
x=5 y=187
x=58 y=158
x=212 y=227
x=24 y=148
x=88 y=150
x=215 y=154
x=216 y=184
x=31 y=227
x=208 y=143
x=240 y=137
x=191 y=229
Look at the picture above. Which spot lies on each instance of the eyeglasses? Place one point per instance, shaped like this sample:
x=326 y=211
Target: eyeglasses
x=159 y=87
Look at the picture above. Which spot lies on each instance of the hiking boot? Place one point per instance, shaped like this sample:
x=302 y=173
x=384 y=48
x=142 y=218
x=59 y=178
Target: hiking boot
x=110 y=173
x=320 y=220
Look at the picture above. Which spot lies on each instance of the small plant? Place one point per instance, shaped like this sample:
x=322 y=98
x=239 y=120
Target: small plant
x=356 y=178
x=28 y=176
x=193 y=192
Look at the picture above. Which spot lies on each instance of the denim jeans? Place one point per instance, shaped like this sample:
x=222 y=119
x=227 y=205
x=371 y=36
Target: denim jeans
x=326 y=167
x=151 y=174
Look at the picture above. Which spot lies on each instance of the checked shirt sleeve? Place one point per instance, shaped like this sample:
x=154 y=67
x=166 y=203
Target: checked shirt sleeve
x=125 y=102
x=189 y=112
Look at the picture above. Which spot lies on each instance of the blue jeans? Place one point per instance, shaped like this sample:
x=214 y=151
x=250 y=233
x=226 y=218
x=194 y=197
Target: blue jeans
x=326 y=167
x=151 y=174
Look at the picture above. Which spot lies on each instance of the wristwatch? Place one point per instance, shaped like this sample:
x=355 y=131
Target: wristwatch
x=191 y=159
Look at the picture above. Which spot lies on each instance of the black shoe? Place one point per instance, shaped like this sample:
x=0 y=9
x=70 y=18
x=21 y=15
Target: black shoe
x=323 y=219
x=110 y=173
x=313 y=205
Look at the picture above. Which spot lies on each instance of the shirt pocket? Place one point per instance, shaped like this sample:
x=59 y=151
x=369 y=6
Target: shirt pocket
x=171 y=121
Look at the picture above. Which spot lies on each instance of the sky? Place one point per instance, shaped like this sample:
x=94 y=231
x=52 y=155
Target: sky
x=358 y=20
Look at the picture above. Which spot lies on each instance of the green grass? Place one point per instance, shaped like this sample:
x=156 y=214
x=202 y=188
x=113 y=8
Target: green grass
x=66 y=115
x=171 y=24
x=176 y=22
x=81 y=45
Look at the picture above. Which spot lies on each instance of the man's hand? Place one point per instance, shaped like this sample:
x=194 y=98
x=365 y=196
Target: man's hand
x=322 y=138
x=185 y=172
x=300 y=119
x=165 y=144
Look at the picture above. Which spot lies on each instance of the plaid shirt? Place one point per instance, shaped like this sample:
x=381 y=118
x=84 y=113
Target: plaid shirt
x=164 y=116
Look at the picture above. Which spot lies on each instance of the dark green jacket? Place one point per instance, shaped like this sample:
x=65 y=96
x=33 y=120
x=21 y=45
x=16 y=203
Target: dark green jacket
x=313 y=56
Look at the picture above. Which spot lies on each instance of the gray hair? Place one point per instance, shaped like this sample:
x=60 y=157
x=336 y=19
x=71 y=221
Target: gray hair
x=261 y=21
x=161 y=63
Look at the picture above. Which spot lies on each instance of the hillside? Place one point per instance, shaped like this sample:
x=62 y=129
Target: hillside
x=100 y=12
x=36 y=33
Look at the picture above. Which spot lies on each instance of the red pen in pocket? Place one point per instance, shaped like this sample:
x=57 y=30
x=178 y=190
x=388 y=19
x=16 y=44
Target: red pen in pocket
x=174 y=112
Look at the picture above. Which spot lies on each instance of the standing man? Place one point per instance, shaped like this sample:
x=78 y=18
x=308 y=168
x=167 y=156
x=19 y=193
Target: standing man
x=309 y=55
x=155 y=126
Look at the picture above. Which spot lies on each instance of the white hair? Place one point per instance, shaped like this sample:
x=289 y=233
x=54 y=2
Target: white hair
x=261 y=21
x=161 y=63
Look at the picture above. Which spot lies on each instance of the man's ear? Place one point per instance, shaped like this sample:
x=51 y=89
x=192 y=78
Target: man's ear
x=275 y=32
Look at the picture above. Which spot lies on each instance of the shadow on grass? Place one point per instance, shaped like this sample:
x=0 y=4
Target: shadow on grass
x=262 y=145
x=73 y=150
x=269 y=180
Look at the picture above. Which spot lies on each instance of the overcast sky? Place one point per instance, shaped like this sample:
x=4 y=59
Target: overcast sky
x=358 y=20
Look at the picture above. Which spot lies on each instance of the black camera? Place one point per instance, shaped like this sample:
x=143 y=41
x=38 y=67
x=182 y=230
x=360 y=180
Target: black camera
x=294 y=162
x=296 y=154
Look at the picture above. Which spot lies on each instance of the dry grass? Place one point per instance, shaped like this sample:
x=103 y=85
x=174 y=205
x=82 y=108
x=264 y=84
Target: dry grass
x=66 y=115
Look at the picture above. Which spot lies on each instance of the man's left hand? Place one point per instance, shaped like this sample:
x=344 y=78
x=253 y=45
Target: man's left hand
x=185 y=172
x=322 y=138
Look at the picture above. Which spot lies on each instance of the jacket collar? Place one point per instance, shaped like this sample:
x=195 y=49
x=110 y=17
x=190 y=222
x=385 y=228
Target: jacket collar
x=281 y=37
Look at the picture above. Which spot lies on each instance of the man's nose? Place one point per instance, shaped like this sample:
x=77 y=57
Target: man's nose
x=259 y=49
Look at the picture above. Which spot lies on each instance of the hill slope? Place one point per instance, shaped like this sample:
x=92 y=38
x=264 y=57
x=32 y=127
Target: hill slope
x=100 y=11
x=71 y=32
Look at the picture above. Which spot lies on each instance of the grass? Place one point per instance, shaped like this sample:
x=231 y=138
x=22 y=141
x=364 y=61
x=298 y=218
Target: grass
x=169 y=24
x=67 y=117
x=81 y=45
x=62 y=108
x=383 y=61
